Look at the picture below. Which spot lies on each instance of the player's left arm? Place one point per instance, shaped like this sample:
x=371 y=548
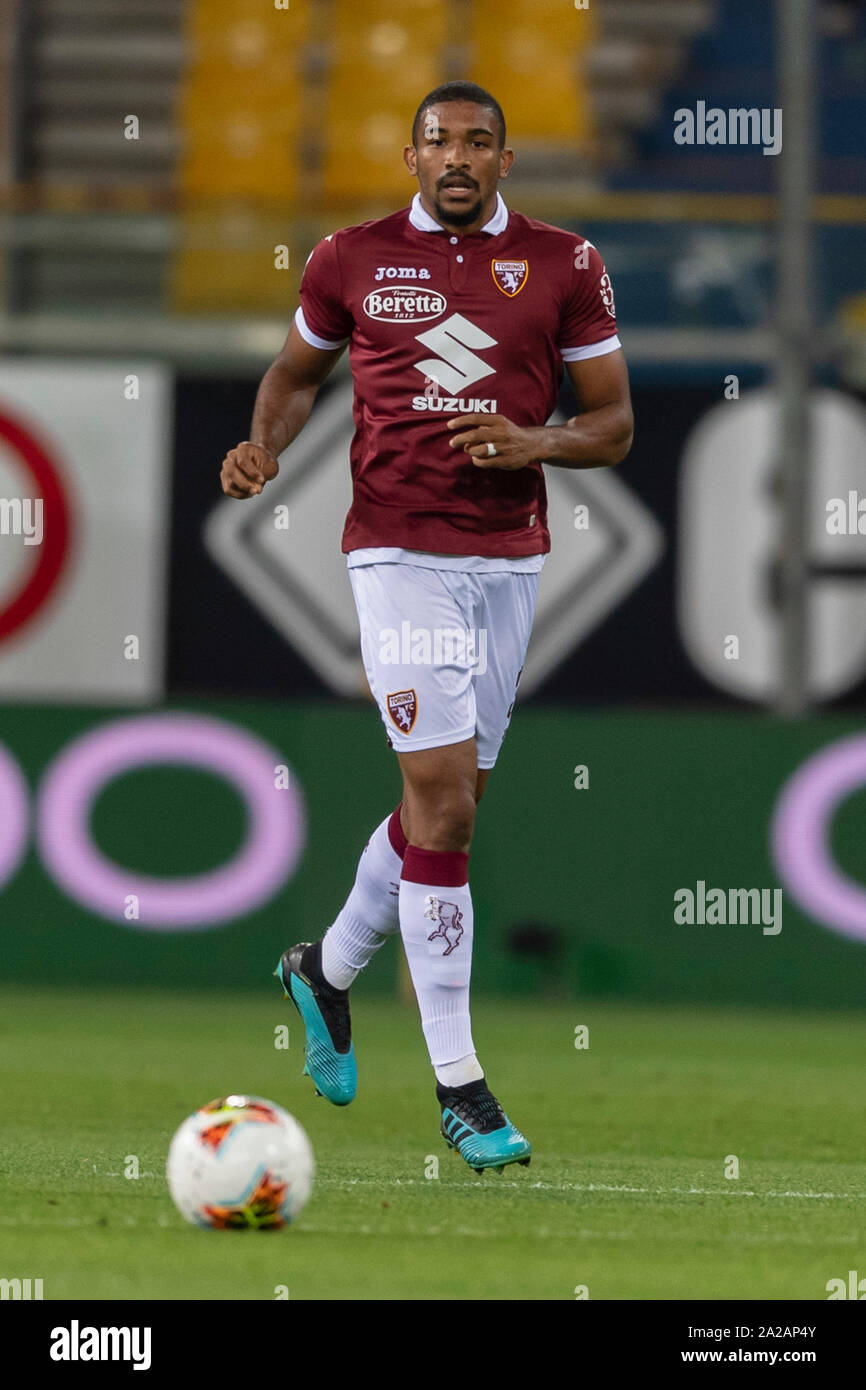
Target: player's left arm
x=598 y=437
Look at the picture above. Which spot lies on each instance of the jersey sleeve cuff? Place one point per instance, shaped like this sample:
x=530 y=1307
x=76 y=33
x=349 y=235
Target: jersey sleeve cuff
x=578 y=354
x=325 y=344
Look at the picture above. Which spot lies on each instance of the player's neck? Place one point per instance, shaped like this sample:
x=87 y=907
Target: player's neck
x=484 y=216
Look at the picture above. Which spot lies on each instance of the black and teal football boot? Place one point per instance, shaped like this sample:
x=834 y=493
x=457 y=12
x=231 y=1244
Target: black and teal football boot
x=328 y=1050
x=474 y=1123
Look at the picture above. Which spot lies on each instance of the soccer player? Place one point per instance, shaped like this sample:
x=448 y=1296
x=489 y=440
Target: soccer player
x=459 y=315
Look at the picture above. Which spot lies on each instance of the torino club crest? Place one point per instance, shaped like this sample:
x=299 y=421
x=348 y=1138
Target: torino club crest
x=510 y=276
x=403 y=709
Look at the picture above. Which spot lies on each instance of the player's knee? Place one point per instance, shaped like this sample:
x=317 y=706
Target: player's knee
x=443 y=818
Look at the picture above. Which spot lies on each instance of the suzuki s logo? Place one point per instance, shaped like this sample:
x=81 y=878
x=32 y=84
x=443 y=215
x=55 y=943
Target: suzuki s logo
x=404 y=305
x=456 y=366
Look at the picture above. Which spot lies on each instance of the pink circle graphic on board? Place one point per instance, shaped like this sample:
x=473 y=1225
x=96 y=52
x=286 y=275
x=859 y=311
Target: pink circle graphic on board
x=800 y=836
x=273 y=845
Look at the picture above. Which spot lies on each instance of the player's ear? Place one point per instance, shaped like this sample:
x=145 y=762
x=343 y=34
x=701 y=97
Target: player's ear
x=410 y=159
x=506 y=159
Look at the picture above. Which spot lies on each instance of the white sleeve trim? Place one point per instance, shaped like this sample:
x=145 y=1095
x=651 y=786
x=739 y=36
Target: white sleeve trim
x=313 y=338
x=577 y=354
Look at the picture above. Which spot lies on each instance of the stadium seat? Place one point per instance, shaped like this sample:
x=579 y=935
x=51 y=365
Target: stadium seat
x=384 y=59
x=528 y=57
x=225 y=261
x=240 y=103
x=241 y=124
x=243 y=148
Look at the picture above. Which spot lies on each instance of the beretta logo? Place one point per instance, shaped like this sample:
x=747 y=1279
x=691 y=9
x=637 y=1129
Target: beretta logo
x=404 y=304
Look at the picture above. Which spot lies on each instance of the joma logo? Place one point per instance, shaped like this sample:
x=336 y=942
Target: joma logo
x=401 y=272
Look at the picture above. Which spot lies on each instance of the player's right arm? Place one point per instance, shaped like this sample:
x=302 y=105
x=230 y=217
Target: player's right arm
x=283 y=404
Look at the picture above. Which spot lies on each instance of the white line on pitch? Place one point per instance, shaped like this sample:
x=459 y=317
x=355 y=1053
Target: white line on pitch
x=731 y=1191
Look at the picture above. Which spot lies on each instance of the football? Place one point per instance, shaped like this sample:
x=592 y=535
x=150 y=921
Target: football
x=240 y=1163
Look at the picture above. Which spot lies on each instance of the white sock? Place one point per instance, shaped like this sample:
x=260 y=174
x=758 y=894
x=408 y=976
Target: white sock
x=459 y=1073
x=371 y=912
x=436 y=926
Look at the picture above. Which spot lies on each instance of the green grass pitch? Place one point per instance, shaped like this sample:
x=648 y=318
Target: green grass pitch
x=626 y=1194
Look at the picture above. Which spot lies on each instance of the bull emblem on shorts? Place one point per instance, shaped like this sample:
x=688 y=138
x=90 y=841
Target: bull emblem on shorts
x=510 y=276
x=403 y=709
x=450 y=922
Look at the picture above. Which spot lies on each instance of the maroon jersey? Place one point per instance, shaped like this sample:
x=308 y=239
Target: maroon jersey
x=440 y=325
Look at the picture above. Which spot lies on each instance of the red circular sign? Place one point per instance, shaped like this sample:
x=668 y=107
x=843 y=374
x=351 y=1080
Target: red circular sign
x=54 y=550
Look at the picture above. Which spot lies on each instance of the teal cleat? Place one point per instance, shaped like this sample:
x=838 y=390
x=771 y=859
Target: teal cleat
x=474 y=1123
x=330 y=1057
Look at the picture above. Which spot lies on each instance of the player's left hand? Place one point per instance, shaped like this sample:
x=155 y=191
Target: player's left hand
x=513 y=445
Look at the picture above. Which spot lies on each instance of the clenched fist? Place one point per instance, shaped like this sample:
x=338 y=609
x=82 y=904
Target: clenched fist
x=246 y=469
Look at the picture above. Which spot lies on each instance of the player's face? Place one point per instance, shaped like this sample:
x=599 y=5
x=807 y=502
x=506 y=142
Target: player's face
x=459 y=162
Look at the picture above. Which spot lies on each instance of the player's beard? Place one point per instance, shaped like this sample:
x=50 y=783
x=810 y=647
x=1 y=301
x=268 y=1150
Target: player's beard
x=458 y=217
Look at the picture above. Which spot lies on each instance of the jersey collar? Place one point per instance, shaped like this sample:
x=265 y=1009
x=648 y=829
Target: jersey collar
x=420 y=218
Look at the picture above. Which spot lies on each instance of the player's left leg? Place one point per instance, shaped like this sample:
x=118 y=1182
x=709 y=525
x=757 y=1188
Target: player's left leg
x=503 y=609
x=441 y=789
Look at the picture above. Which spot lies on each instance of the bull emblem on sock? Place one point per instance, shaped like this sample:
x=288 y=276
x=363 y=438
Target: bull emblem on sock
x=449 y=919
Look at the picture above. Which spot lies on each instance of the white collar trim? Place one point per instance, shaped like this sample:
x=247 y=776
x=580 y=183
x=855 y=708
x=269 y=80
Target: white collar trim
x=420 y=218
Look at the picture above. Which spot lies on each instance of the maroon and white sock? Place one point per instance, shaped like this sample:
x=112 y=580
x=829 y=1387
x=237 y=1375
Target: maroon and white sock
x=371 y=911
x=436 y=926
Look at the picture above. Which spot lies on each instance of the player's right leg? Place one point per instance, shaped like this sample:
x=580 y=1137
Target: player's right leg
x=316 y=975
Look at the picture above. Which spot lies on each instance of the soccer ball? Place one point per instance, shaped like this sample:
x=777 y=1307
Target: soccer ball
x=240 y=1163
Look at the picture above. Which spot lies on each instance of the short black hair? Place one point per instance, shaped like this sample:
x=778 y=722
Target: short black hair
x=460 y=91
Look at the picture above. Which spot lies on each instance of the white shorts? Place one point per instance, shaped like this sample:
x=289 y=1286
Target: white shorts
x=443 y=651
